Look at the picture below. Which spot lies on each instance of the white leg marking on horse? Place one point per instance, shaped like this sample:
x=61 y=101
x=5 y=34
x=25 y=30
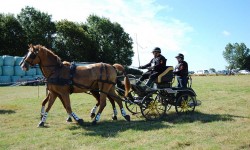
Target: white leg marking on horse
x=115 y=112
x=43 y=110
x=74 y=116
x=123 y=112
x=98 y=116
x=93 y=110
x=44 y=117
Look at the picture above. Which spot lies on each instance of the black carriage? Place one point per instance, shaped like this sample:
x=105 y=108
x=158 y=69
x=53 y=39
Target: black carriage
x=154 y=103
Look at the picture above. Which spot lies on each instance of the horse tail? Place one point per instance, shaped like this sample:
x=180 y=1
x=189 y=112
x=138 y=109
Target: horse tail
x=121 y=70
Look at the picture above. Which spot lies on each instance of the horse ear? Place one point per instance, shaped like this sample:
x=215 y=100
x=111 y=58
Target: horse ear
x=30 y=45
x=36 y=48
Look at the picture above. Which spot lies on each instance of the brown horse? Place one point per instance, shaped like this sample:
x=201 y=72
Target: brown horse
x=93 y=110
x=99 y=77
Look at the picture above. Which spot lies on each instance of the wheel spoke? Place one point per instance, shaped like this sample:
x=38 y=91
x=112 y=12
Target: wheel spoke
x=185 y=103
x=155 y=109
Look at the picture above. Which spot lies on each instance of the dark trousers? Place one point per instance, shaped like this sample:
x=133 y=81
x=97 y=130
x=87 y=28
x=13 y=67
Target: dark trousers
x=182 y=81
x=151 y=75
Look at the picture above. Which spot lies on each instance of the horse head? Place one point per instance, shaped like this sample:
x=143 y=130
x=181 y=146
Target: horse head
x=31 y=58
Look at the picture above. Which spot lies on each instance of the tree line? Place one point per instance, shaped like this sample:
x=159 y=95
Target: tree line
x=237 y=55
x=96 y=40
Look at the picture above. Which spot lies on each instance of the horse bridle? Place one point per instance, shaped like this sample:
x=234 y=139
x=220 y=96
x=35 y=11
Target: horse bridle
x=32 y=56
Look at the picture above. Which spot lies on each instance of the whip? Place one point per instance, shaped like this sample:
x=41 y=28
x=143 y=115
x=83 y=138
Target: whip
x=137 y=50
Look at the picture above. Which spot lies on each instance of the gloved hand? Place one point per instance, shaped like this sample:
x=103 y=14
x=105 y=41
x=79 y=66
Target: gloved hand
x=150 y=68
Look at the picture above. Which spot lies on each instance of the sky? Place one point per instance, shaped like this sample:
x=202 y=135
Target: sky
x=200 y=29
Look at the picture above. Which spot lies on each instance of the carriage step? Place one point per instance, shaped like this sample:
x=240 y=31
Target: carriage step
x=197 y=103
x=169 y=90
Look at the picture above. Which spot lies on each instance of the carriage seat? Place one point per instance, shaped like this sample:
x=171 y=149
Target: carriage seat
x=164 y=80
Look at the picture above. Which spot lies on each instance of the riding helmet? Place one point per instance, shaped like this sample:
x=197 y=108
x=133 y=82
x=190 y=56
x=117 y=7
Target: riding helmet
x=157 y=49
x=180 y=56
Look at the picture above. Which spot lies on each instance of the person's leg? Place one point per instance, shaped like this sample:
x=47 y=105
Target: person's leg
x=179 y=80
x=184 y=82
x=143 y=77
x=152 y=78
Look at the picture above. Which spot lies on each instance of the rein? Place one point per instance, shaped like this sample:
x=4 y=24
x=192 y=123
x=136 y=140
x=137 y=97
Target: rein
x=48 y=66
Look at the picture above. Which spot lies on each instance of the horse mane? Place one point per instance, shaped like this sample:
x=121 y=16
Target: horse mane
x=66 y=63
x=40 y=47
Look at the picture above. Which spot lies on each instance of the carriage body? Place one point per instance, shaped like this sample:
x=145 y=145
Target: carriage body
x=153 y=104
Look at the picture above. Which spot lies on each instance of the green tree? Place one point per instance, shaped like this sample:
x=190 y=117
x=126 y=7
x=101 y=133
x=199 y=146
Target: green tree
x=38 y=26
x=113 y=44
x=73 y=43
x=212 y=70
x=12 y=39
x=237 y=56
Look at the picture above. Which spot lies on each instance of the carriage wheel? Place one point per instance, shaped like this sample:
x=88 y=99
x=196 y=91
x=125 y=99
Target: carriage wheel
x=153 y=107
x=130 y=105
x=185 y=103
x=168 y=107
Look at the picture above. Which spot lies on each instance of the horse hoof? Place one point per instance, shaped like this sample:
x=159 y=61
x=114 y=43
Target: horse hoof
x=92 y=115
x=94 y=122
x=127 y=117
x=69 y=119
x=80 y=122
x=114 y=118
x=41 y=124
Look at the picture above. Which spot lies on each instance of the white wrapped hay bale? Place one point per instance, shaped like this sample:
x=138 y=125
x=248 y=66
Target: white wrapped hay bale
x=38 y=76
x=15 y=78
x=8 y=70
x=5 y=80
x=1 y=60
x=27 y=78
x=18 y=59
x=18 y=71
x=38 y=71
x=31 y=72
x=8 y=60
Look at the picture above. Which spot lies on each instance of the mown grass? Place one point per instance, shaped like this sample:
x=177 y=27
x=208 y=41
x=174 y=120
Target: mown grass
x=221 y=122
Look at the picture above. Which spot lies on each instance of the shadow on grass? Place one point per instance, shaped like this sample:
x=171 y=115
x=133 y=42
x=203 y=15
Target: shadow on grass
x=2 y=111
x=107 y=128
x=112 y=128
x=198 y=116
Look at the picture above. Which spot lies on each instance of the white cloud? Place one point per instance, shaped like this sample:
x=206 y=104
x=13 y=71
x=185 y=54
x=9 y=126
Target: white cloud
x=226 y=33
x=142 y=18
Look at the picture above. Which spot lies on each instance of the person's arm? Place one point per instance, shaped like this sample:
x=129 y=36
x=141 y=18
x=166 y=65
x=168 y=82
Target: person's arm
x=145 y=66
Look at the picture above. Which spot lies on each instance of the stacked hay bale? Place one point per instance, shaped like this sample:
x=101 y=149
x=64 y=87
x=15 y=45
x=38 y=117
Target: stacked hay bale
x=11 y=72
x=7 y=69
x=1 y=65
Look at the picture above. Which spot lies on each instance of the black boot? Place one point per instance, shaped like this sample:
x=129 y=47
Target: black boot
x=138 y=83
x=148 y=86
x=149 y=83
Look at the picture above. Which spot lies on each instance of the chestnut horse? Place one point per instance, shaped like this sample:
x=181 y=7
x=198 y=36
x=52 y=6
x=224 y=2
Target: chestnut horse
x=98 y=77
x=93 y=110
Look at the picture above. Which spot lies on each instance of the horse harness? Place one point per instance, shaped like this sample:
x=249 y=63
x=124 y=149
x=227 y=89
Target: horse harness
x=71 y=83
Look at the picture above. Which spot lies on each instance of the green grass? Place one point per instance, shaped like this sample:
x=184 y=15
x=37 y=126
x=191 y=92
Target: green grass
x=221 y=122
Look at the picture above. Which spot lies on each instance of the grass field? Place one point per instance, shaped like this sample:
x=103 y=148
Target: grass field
x=221 y=122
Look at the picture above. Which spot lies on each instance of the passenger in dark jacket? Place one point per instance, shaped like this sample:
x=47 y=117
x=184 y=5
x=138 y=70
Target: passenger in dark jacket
x=155 y=67
x=181 y=71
